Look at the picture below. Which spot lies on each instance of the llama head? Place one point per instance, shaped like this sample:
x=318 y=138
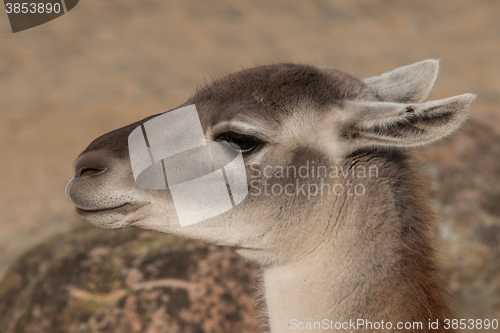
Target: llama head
x=280 y=117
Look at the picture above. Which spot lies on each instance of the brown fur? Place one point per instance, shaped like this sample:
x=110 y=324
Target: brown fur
x=422 y=291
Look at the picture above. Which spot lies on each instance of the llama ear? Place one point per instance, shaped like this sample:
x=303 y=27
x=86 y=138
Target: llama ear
x=405 y=125
x=407 y=84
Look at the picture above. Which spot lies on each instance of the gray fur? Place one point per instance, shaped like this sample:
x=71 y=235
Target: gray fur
x=407 y=84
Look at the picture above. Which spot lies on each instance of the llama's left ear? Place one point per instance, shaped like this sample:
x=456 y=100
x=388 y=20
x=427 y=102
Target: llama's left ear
x=372 y=124
x=408 y=84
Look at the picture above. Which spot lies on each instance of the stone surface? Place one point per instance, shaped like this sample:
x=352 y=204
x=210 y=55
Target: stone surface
x=92 y=280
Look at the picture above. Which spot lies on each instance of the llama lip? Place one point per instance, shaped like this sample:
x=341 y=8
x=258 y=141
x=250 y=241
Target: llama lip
x=123 y=209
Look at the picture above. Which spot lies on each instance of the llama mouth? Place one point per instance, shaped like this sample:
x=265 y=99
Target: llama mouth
x=124 y=209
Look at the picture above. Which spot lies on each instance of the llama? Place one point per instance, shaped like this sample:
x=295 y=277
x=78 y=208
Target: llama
x=350 y=249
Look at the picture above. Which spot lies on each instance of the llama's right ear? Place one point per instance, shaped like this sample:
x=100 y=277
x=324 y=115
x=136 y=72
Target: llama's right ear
x=373 y=124
x=408 y=84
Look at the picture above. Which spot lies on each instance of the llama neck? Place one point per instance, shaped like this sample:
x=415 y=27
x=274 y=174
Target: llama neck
x=371 y=261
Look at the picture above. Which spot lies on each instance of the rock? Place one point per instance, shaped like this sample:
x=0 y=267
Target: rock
x=94 y=280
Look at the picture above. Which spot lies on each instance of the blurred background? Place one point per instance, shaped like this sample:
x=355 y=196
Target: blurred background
x=106 y=64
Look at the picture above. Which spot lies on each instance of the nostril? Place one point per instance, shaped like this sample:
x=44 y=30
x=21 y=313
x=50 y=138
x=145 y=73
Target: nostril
x=91 y=164
x=90 y=171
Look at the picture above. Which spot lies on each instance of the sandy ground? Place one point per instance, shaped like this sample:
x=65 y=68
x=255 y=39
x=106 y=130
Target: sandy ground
x=108 y=63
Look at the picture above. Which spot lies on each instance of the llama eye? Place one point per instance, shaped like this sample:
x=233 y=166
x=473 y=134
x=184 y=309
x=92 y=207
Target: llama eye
x=245 y=143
